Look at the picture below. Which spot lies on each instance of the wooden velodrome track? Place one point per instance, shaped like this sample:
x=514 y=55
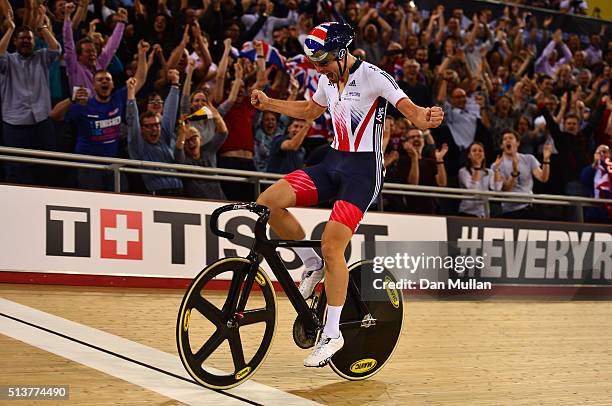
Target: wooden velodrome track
x=451 y=352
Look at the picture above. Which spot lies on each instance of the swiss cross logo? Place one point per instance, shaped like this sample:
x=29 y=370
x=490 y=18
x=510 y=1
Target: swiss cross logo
x=120 y=234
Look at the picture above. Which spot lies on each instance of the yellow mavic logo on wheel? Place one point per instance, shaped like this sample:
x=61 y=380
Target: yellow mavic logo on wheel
x=260 y=279
x=242 y=373
x=393 y=296
x=363 y=365
x=186 y=320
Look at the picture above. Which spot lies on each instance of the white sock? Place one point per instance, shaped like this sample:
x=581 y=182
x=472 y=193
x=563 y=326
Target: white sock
x=309 y=257
x=332 y=324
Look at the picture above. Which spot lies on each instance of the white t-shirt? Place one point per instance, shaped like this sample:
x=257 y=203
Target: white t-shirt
x=358 y=116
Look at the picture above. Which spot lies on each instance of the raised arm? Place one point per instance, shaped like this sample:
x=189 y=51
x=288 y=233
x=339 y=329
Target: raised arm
x=170 y=107
x=142 y=67
x=221 y=72
x=296 y=142
x=525 y=64
x=442 y=91
x=552 y=124
x=188 y=79
x=60 y=109
x=441 y=27
x=30 y=12
x=294 y=87
x=470 y=37
x=386 y=27
x=545 y=54
x=135 y=141
x=201 y=49
x=6 y=38
x=175 y=57
x=70 y=55
x=220 y=127
x=236 y=86
x=306 y=109
x=405 y=27
x=6 y=9
x=441 y=178
x=366 y=18
x=422 y=117
x=114 y=40
x=49 y=38
x=567 y=54
x=414 y=171
x=262 y=73
x=543 y=173
x=80 y=14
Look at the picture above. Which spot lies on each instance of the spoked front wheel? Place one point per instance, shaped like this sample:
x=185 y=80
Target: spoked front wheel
x=370 y=339
x=219 y=347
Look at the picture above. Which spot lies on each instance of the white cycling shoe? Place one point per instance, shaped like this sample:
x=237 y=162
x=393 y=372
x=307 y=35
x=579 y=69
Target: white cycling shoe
x=325 y=348
x=310 y=279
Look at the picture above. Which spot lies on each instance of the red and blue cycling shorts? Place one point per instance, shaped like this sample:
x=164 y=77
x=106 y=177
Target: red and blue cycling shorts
x=352 y=179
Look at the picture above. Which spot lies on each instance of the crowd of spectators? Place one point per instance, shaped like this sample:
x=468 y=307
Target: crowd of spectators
x=528 y=107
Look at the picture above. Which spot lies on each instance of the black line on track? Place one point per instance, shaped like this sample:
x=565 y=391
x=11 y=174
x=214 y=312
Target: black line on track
x=143 y=364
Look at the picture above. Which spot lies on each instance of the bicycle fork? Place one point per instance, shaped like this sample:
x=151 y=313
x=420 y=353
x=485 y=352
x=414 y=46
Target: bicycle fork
x=237 y=298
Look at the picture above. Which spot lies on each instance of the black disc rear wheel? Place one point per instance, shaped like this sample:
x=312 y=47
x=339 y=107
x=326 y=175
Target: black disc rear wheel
x=369 y=341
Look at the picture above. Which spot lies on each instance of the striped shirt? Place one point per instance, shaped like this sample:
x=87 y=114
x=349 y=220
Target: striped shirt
x=358 y=114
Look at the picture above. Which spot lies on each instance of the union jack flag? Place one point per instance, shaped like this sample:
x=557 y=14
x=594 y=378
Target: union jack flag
x=305 y=73
x=398 y=72
x=603 y=182
x=273 y=56
x=298 y=66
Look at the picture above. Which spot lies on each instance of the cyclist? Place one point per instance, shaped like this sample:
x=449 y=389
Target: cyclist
x=356 y=95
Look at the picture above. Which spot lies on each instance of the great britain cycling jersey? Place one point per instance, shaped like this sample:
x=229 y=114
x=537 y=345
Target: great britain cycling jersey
x=358 y=114
x=352 y=171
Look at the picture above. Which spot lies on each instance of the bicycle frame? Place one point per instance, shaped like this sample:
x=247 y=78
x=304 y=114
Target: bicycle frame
x=267 y=248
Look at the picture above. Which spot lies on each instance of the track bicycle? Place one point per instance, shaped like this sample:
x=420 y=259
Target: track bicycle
x=224 y=336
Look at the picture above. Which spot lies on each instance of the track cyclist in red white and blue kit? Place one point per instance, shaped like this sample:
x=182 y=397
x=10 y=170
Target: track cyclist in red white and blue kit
x=356 y=94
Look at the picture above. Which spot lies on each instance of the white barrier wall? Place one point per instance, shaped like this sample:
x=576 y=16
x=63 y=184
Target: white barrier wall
x=89 y=233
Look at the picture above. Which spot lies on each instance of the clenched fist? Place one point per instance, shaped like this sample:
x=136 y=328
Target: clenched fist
x=433 y=116
x=259 y=99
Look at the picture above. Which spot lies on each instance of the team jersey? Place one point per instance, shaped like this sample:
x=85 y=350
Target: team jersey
x=358 y=114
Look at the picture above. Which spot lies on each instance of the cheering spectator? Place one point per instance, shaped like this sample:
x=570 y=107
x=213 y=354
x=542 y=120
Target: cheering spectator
x=82 y=59
x=463 y=118
x=548 y=62
x=502 y=117
x=286 y=151
x=593 y=52
x=265 y=9
x=155 y=103
x=190 y=151
x=212 y=133
x=475 y=175
x=572 y=146
x=271 y=125
x=238 y=113
x=413 y=85
x=152 y=139
x=408 y=165
x=369 y=39
x=531 y=137
x=484 y=69
x=595 y=179
x=26 y=100
x=518 y=171
x=98 y=121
